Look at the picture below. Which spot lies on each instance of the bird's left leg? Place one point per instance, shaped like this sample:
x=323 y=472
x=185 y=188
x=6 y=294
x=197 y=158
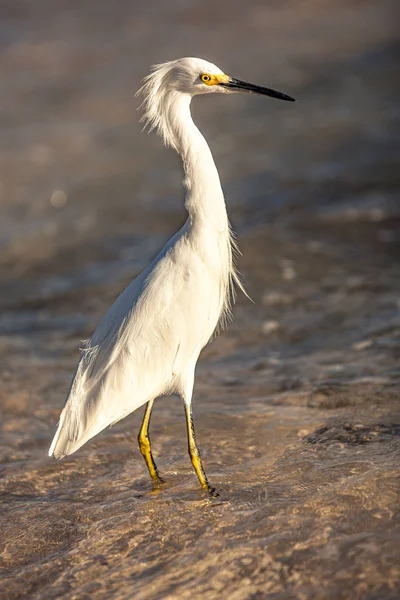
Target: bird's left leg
x=194 y=451
x=144 y=444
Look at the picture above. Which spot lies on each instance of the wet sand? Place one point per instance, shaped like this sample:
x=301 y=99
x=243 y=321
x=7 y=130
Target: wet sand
x=297 y=403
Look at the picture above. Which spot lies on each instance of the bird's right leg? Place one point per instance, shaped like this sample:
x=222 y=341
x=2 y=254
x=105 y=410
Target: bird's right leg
x=194 y=451
x=145 y=447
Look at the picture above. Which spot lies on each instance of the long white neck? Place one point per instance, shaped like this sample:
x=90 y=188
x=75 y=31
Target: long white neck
x=169 y=113
x=204 y=199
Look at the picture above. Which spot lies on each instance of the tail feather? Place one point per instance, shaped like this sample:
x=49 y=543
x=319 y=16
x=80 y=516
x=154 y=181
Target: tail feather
x=53 y=451
x=91 y=404
x=88 y=411
x=66 y=441
x=82 y=419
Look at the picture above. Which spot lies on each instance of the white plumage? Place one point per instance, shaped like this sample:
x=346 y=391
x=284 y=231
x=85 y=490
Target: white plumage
x=148 y=343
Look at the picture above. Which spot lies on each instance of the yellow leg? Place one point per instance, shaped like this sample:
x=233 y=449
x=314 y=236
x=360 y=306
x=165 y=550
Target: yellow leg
x=195 y=453
x=144 y=444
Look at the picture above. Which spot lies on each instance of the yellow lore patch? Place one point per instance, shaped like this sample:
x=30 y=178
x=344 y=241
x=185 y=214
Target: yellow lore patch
x=209 y=79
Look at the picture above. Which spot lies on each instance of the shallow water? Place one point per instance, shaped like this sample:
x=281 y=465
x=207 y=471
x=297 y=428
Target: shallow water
x=297 y=403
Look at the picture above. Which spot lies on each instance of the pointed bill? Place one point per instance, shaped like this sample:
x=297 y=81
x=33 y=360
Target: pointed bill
x=243 y=86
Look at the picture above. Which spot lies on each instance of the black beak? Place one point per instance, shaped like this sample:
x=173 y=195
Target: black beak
x=236 y=84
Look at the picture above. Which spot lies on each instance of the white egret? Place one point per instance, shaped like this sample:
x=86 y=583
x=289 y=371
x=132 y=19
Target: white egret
x=148 y=343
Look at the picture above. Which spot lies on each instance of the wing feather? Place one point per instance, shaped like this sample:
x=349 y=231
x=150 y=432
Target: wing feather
x=158 y=325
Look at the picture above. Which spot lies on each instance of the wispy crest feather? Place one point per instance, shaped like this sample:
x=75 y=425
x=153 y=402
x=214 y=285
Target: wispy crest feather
x=158 y=97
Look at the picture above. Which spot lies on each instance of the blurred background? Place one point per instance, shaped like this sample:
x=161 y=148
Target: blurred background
x=296 y=404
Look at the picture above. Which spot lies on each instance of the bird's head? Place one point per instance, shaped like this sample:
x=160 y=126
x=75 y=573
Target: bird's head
x=184 y=78
x=194 y=76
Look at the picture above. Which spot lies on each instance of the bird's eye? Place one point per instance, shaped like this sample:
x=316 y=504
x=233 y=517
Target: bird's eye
x=205 y=78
